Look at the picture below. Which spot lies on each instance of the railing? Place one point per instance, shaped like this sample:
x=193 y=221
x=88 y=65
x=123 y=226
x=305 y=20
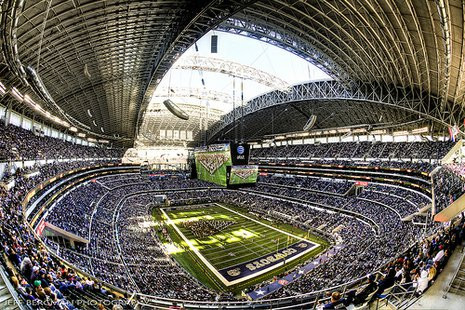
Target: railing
x=449 y=287
x=455 y=150
x=12 y=290
x=307 y=301
x=399 y=297
x=32 y=162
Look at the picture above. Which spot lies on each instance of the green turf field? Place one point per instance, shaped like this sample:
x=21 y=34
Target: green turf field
x=243 y=240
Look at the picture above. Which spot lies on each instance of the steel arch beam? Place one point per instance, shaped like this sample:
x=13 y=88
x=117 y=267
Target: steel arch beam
x=199 y=93
x=331 y=90
x=217 y=65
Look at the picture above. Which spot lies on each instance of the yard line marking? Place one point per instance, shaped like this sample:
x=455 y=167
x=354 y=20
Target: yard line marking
x=237 y=258
x=266 y=225
x=263 y=237
x=246 y=250
x=270 y=247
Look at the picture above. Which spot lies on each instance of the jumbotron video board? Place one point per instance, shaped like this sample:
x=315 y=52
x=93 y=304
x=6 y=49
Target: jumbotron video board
x=243 y=175
x=211 y=163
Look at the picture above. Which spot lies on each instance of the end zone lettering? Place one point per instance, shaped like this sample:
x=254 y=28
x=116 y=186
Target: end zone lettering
x=270 y=259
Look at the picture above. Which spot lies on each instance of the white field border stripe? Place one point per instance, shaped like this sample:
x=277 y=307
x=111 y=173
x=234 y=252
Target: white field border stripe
x=256 y=274
x=195 y=250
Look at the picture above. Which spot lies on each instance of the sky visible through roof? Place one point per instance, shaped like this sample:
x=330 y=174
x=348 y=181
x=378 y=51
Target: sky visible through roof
x=243 y=50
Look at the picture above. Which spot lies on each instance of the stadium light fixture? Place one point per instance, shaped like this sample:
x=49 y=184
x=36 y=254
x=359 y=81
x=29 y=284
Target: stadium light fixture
x=17 y=94
x=420 y=130
x=29 y=100
x=81 y=135
x=2 y=89
x=73 y=129
x=378 y=132
x=400 y=133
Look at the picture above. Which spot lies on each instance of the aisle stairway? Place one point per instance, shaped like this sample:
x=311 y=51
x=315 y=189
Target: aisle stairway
x=7 y=301
x=458 y=283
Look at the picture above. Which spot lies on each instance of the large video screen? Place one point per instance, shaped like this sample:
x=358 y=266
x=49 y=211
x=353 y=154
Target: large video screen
x=243 y=175
x=211 y=162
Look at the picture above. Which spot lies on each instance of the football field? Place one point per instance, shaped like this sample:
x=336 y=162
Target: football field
x=236 y=247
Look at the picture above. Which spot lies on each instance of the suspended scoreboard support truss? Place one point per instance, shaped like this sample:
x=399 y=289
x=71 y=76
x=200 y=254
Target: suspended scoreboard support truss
x=402 y=98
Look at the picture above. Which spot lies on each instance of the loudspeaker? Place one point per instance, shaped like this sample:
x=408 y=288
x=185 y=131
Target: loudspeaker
x=214 y=44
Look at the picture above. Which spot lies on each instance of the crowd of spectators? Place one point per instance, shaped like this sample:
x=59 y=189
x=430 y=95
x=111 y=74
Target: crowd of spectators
x=361 y=154
x=153 y=271
x=447 y=186
x=124 y=249
x=139 y=246
x=335 y=186
x=17 y=143
x=358 y=150
x=114 y=181
x=457 y=168
x=122 y=259
x=415 y=270
x=394 y=237
x=40 y=279
x=81 y=198
x=403 y=200
x=135 y=244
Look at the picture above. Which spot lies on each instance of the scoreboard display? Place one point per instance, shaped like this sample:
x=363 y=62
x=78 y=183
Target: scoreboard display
x=225 y=164
x=211 y=163
x=243 y=175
